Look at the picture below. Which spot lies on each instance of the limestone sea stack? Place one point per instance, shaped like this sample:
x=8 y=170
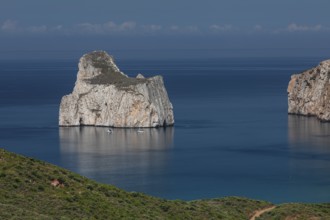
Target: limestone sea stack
x=105 y=96
x=309 y=92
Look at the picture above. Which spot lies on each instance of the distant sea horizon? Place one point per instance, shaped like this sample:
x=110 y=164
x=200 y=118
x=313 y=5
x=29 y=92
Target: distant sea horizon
x=232 y=134
x=168 y=54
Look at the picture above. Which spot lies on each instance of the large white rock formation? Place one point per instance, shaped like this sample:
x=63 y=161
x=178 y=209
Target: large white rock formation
x=309 y=92
x=104 y=96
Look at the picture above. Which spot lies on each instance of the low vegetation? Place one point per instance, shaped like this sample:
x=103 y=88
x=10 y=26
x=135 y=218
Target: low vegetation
x=109 y=75
x=294 y=211
x=32 y=189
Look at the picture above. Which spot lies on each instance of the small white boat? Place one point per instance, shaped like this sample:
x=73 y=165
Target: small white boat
x=140 y=130
x=109 y=131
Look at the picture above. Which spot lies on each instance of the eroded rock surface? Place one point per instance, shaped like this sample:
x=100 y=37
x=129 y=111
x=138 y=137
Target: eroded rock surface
x=309 y=92
x=104 y=96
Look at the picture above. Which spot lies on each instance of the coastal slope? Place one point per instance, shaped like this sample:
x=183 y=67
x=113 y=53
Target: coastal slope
x=309 y=92
x=105 y=96
x=32 y=189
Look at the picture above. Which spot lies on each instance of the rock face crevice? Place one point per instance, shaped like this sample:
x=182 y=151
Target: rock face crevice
x=309 y=92
x=104 y=96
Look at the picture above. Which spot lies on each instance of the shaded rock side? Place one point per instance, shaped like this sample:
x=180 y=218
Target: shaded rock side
x=309 y=92
x=104 y=96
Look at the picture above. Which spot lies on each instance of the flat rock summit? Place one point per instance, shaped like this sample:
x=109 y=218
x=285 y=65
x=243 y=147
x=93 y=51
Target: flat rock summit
x=105 y=96
x=309 y=92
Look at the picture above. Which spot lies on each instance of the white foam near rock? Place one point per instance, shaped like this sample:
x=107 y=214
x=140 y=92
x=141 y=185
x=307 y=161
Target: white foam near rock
x=309 y=92
x=104 y=96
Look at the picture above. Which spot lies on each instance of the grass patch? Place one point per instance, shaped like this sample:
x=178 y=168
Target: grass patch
x=109 y=74
x=299 y=211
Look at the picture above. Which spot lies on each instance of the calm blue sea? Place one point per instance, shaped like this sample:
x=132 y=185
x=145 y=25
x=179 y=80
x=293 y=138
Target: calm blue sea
x=232 y=135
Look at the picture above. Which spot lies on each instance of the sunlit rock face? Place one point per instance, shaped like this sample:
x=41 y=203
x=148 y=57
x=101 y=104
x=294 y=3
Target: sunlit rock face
x=105 y=96
x=309 y=92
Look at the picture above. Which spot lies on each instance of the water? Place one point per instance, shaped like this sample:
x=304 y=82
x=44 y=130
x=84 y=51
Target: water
x=232 y=134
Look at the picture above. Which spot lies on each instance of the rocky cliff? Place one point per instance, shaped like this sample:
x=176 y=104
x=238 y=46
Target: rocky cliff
x=309 y=92
x=104 y=96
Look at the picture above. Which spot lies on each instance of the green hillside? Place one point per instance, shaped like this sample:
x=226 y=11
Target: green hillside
x=26 y=192
x=294 y=211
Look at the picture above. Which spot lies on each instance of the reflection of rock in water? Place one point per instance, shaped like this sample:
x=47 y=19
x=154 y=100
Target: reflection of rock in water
x=309 y=157
x=309 y=131
x=125 y=158
x=98 y=140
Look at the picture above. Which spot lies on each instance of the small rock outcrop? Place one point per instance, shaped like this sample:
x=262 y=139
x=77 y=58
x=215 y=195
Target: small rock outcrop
x=309 y=92
x=104 y=96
